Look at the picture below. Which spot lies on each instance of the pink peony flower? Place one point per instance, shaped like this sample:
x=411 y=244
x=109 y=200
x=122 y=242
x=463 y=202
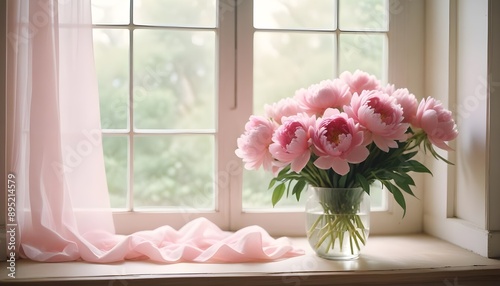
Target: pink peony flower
x=254 y=143
x=359 y=81
x=436 y=121
x=408 y=102
x=326 y=94
x=338 y=141
x=282 y=108
x=381 y=116
x=291 y=141
x=389 y=89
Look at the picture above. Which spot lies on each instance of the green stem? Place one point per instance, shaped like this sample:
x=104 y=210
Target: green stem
x=337 y=220
x=336 y=227
x=312 y=172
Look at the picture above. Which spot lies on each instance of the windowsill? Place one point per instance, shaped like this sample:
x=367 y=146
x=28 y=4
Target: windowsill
x=404 y=259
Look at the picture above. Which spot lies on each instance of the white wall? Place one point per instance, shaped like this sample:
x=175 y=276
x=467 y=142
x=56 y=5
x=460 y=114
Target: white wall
x=458 y=60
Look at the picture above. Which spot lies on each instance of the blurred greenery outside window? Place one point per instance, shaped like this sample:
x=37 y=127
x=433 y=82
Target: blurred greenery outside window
x=156 y=63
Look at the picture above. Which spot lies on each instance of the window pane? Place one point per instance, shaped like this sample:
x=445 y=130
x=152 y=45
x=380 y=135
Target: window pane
x=174 y=77
x=174 y=171
x=295 y=14
x=111 y=50
x=110 y=11
x=378 y=197
x=285 y=62
x=363 y=15
x=186 y=13
x=364 y=51
x=256 y=194
x=115 y=159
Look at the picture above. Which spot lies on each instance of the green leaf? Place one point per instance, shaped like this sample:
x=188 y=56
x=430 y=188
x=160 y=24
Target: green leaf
x=416 y=166
x=404 y=181
x=435 y=154
x=271 y=183
x=342 y=181
x=384 y=175
x=283 y=173
x=298 y=188
x=407 y=179
x=288 y=188
x=410 y=155
x=363 y=182
x=278 y=193
x=398 y=196
x=405 y=187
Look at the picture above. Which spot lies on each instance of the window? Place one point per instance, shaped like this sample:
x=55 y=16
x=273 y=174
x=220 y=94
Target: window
x=156 y=64
x=179 y=79
x=157 y=86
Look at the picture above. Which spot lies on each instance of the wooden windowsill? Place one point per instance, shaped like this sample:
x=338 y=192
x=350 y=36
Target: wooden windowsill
x=416 y=259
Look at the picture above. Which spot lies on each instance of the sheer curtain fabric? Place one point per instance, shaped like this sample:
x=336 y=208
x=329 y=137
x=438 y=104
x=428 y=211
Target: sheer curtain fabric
x=54 y=149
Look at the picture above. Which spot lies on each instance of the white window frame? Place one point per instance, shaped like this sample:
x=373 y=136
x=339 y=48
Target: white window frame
x=130 y=221
x=227 y=166
x=234 y=102
x=405 y=70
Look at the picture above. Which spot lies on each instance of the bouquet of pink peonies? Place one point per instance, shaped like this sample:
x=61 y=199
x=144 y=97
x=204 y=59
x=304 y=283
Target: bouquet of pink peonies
x=345 y=133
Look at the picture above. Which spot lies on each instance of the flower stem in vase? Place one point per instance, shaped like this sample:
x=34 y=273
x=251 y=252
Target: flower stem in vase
x=337 y=226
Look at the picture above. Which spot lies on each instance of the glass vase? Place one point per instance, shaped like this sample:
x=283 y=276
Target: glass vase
x=337 y=221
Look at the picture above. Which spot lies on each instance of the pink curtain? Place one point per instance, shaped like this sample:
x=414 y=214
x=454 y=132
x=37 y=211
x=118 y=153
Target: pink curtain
x=54 y=144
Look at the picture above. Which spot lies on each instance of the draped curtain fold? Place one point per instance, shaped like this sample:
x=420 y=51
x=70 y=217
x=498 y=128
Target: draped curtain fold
x=55 y=149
